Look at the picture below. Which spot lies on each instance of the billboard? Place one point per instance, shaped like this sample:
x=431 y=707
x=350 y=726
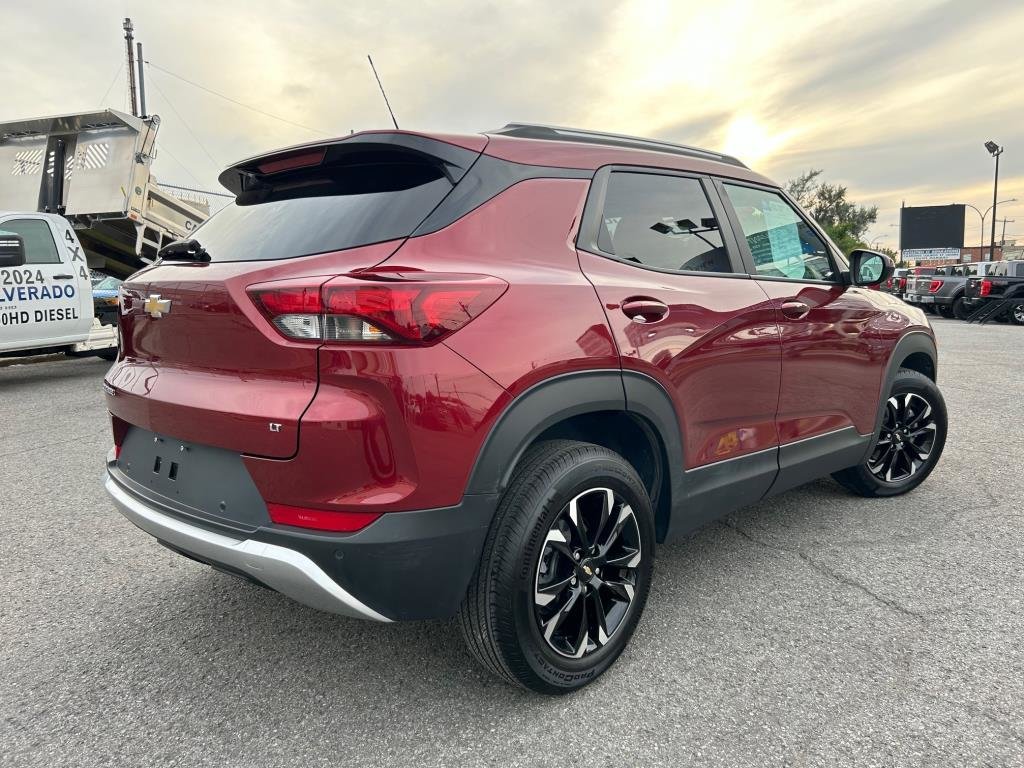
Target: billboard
x=932 y=226
x=931 y=254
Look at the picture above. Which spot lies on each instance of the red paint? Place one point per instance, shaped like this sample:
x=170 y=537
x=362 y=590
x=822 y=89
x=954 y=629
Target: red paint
x=214 y=370
x=716 y=353
x=548 y=321
x=367 y=428
x=833 y=358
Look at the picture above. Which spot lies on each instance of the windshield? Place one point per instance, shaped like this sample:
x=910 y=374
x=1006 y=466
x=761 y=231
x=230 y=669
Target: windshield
x=106 y=284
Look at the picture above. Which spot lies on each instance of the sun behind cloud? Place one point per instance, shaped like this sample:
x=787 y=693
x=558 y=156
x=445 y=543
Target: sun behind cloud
x=750 y=141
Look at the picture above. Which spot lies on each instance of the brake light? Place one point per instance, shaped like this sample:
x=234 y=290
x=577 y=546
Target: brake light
x=294 y=160
x=902 y=284
x=934 y=285
x=320 y=519
x=378 y=308
x=986 y=288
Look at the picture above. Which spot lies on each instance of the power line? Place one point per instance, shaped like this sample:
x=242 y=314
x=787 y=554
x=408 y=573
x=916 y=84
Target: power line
x=216 y=165
x=235 y=101
x=113 y=80
x=163 y=148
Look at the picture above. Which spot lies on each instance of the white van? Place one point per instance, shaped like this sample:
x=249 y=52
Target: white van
x=46 y=299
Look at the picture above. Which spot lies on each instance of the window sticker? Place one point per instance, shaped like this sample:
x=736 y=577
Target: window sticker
x=784 y=237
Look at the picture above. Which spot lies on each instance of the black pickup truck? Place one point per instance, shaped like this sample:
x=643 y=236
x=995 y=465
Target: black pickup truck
x=998 y=294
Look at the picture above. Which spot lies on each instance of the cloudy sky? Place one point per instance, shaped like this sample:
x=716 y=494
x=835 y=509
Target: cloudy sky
x=893 y=99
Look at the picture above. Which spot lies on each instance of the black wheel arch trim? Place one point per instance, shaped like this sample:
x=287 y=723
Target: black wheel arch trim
x=910 y=343
x=562 y=397
x=532 y=412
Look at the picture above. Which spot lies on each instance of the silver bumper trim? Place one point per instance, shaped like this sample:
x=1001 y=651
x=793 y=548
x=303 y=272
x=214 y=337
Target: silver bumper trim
x=289 y=572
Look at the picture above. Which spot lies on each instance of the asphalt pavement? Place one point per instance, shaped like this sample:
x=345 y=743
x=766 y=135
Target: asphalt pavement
x=816 y=628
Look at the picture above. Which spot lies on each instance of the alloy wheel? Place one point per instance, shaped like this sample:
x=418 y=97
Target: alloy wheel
x=586 y=574
x=906 y=440
x=1018 y=314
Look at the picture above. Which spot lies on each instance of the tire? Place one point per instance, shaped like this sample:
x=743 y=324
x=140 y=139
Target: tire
x=903 y=421
x=508 y=617
x=1017 y=314
x=944 y=311
x=108 y=354
x=960 y=308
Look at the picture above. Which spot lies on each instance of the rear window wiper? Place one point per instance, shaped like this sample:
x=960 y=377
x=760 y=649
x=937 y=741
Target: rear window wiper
x=184 y=250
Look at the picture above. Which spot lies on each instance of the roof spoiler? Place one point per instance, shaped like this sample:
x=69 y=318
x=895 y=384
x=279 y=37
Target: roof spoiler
x=259 y=171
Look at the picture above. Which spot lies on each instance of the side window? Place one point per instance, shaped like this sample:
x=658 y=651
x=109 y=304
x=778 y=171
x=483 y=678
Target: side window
x=781 y=242
x=664 y=222
x=39 y=245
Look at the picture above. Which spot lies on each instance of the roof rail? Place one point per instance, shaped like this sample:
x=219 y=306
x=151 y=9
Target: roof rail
x=558 y=133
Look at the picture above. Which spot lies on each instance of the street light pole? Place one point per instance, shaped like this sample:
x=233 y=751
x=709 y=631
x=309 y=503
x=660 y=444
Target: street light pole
x=982 y=217
x=981 y=234
x=995 y=150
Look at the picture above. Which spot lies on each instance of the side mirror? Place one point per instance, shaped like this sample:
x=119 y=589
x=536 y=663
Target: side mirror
x=12 y=250
x=870 y=267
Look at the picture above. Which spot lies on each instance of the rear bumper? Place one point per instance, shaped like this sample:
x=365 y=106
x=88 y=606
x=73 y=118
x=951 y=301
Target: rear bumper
x=406 y=565
x=921 y=298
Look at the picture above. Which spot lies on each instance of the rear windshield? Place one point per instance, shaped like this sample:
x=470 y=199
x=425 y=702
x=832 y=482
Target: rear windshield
x=368 y=198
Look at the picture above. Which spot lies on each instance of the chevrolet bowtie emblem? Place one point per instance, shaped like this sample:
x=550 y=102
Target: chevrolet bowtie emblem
x=155 y=306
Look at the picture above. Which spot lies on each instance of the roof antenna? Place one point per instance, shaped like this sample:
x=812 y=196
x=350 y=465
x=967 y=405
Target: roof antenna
x=381 y=86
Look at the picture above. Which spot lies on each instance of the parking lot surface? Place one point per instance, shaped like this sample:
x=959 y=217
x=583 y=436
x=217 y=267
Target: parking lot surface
x=816 y=628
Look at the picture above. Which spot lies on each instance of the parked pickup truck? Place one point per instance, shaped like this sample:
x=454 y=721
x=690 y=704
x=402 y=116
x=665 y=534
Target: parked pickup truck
x=46 y=296
x=916 y=276
x=997 y=290
x=944 y=290
x=897 y=284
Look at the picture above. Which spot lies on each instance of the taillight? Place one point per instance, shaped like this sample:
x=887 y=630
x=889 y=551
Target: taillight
x=378 y=308
x=320 y=519
x=934 y=285
x=902 y=284
x=986 y=288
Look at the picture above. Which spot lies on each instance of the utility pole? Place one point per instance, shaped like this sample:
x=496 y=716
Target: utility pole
x=129 y=38
x=995 y=150
x=1002 y=240
x=142 y=84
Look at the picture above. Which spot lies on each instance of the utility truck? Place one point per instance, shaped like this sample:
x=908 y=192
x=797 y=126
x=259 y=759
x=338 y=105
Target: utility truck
x=76 y=193
x=45 y=292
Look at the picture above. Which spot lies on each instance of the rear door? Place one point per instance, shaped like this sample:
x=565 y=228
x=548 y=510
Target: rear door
x=684 y=312
x=831 y=373
x=44 y=303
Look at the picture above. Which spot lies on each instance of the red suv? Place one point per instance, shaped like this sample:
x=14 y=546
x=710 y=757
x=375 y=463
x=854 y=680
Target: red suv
x=409 y=376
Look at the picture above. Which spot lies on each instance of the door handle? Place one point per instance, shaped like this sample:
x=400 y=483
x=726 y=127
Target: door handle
x=644 y=310
x=63 y=277
x=794 y=310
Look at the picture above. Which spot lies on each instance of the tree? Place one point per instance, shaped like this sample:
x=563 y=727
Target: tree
x=844 y=221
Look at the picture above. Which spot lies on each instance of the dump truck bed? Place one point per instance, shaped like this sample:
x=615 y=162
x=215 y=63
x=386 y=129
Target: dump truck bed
x=94 y=169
